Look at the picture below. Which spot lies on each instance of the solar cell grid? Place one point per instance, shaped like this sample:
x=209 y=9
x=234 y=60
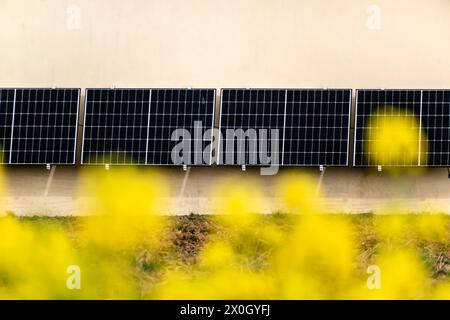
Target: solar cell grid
x=116 y=126
x=135 y=126
x=313 y=125
x=373 y=107
x=427 y=113
x=45 y=126
x=243 y=109
x=39 y=126
x=171 y=109
x=317 y=127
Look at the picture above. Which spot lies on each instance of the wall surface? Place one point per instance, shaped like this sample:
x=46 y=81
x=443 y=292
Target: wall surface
x=228 y=43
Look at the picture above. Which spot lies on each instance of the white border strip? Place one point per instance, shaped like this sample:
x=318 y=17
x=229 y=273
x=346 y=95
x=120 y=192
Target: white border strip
x=420 y=127
x=148 y=125
x=220 y=131
x=284 y=126
x=12 y=127
x=76 y=128
x=212 y=125
x=84 y=124
x=354 y=126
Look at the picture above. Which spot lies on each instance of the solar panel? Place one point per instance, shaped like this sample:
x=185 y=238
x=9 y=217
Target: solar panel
x=312 y=124
x=425 y=114
x=39 y=126
x=136 y=126
x=317 y=127
x=115 y=126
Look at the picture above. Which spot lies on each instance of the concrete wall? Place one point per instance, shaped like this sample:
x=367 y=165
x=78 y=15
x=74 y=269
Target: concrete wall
x=228 y=43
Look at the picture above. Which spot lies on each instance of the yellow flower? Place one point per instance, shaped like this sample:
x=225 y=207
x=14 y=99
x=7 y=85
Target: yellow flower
x=317 y=259
x=299 y=194
x=34 y=261
x=393 y=138
x=217 y=254
x=432 y=227
x=126 y=207
x=403 y=276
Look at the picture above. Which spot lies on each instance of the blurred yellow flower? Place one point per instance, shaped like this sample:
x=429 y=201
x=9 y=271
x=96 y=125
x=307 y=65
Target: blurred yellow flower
x=307 y=255
x=299 y=194
x=320 y=255
x=442 y=291
x=432 y=227
x=403 y=276
x=393 y=138
x=217 y=254
x=126 y=208
x=392 y=227
x=33 y=261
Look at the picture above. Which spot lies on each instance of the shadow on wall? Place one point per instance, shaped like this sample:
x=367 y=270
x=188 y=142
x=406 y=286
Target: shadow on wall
x=347 y=189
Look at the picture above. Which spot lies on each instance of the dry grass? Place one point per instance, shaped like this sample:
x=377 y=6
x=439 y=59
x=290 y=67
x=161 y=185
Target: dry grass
x=187 y=234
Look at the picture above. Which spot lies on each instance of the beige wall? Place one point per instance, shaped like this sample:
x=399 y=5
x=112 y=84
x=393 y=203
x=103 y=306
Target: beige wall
x=227 y=43
x=222 y=43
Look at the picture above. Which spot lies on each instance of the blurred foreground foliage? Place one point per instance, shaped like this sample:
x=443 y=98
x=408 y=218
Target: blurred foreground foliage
x=126 y=250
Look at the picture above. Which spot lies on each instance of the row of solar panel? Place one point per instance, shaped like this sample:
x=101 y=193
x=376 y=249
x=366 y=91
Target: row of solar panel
x=288 y=127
